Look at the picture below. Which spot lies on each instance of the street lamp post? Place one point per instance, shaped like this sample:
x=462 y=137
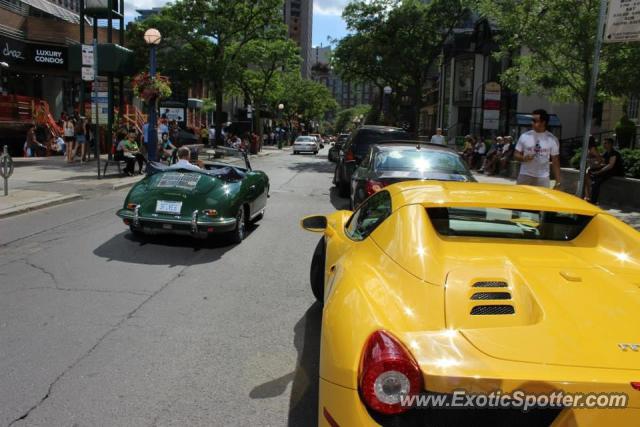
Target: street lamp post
x=280 y=109
x=387 y=93
x=152 y=37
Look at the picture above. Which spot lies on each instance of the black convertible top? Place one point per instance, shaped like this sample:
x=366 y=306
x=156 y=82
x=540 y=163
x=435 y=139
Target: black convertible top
x=220 y=171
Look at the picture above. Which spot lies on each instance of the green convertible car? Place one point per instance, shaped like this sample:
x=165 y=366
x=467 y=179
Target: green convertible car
x=221 y=198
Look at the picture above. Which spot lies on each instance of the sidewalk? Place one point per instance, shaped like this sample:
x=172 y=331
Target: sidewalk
x=631 y=218
x=40 y=182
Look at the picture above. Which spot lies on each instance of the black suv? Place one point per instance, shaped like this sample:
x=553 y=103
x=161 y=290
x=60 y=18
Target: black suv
x=356 y=148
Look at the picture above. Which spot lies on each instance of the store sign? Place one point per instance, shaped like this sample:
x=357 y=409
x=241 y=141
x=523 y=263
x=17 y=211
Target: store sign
x=171 y=114
x=12 y=51
x=491 y=106
x=623 y=21
x=50 y=56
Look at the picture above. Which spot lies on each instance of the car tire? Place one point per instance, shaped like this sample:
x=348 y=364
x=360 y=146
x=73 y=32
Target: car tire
x=295 y=152
x=238 y=234
x=316 y=273
x=315 y=153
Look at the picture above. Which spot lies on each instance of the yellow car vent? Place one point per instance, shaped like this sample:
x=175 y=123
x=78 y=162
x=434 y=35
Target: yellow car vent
x=490 y=285
x=481 y=310
x=490 y=295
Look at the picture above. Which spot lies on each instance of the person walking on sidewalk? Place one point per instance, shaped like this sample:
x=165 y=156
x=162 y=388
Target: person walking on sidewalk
x=68 y=128
x=534 y=150
x=81 y=140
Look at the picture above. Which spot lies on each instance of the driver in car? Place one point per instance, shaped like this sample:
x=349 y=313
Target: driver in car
x=184 y=154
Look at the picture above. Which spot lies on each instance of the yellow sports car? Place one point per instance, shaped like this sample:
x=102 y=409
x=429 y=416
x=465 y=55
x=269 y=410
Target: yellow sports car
x=477 y=304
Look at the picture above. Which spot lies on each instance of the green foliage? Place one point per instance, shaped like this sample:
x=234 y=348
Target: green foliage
x=396 y=42
x=575 y=160
x=631 y=159
x=306 y=98
x=344 y=118
x=625 y=131
x=551 y=45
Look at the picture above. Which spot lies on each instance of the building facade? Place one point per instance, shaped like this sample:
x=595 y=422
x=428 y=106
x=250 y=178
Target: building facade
x=298 y=16
x=346 y=94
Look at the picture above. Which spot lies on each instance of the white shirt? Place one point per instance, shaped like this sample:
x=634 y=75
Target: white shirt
x=438 y=139
x=541 y=145
x=184 y=164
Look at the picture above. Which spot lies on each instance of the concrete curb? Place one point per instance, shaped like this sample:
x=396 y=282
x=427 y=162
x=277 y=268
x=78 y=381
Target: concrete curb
x=28 y=207
x=121 y=185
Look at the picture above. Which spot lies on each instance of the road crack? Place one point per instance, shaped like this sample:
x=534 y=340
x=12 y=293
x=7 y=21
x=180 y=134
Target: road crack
x=44 y=271
x=89 y=352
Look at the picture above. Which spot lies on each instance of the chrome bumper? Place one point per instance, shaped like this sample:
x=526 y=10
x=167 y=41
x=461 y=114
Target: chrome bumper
x=195 y=226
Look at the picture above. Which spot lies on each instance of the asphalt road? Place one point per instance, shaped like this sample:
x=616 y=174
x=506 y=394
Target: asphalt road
x=98 y=328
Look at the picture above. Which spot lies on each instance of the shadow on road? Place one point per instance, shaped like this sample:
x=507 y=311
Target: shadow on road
x=323 y=166
x=303 y=403
x=164 y=249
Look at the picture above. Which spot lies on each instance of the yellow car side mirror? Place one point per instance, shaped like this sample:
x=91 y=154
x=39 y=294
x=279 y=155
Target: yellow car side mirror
x=314 y=223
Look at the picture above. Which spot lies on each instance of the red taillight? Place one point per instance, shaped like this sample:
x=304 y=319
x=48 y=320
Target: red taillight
x=635 y=385
x=388 y=373
x=374 y=186
x=348 y=156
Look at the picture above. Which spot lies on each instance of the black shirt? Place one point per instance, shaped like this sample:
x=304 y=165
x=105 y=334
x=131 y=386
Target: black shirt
x=618 y=167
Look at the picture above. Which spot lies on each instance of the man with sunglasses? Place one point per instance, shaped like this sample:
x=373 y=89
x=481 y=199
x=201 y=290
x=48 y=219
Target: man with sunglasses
x=535 y=149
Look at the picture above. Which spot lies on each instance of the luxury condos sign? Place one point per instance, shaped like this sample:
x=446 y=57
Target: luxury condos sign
x=623 y=21
x=15 y=52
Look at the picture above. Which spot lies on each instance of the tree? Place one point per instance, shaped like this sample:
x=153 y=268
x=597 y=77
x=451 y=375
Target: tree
x=258 y=64
x=551 y=45
x=344 y=118
x=210 y=35
x=397 y=42
x=300 y=97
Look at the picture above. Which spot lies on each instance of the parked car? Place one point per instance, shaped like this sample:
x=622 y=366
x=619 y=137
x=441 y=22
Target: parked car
x=306 y=143
x=430 y=288
x=357 y=147
x=391 y=162
x=219 y=199
x=334 y=151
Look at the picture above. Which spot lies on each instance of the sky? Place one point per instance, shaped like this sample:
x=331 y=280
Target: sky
x=327 y=20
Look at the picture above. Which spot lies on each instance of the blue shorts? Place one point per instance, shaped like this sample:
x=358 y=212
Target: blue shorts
x=80 y=139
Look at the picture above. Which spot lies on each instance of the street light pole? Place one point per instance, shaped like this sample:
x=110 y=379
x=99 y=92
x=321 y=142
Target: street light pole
x=387 y=93
x=152 y=37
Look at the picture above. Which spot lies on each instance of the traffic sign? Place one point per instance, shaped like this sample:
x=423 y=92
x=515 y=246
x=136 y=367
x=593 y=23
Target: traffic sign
x=623 y=21
x=88 y=74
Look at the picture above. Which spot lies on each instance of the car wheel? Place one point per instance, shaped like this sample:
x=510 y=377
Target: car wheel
x=316 y=274
x=315 y=152
x=238 y=234
x=295 y=152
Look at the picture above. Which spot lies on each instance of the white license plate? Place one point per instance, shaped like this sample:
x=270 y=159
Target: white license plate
x=164 y=206
x=167 y=226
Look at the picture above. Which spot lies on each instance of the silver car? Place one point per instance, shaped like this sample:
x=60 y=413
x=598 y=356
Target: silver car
x=305 y=143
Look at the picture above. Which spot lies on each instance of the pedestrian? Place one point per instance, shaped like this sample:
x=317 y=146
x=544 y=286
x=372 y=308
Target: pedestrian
x=438 y=138
x=81 y=141
x=479 y=150
x=69 y=132
x=534 y=150
x=491 y=160
x=129 y=151
x=31 y=145
x=467 y=150
x=204 y=135
x=612 y=166
x=166 y=147
x=212 y=135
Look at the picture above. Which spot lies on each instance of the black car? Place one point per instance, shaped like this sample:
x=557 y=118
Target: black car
x=334 y=152
x=389 y=163
x=357 y=147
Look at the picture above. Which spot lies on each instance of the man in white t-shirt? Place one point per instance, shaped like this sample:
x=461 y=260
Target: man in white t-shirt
x=438 y=138
x=184 y=154
x=534 y=149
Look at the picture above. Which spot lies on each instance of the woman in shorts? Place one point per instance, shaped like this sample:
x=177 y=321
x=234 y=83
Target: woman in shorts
x=68 y=127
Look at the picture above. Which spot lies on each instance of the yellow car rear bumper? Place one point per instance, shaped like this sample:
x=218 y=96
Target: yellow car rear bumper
x=341 y=406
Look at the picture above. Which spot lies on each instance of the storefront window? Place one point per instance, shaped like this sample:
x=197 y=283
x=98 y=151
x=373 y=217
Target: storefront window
x=463 y=88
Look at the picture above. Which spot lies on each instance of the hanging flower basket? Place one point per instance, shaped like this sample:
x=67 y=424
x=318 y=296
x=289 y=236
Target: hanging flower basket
x=148 y=88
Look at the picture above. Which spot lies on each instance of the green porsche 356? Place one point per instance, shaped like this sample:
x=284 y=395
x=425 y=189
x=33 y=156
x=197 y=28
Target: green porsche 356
x=221 y=198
